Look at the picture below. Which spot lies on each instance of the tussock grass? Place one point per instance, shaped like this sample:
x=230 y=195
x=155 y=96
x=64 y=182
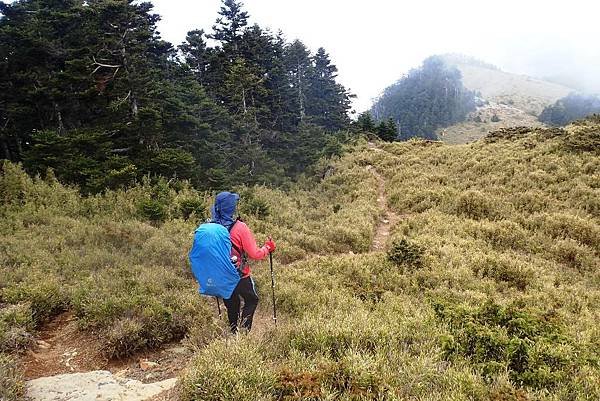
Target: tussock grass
x=12 y=387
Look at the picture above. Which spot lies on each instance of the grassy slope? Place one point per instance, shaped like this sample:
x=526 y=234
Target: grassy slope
x=516 y=99
x=527 y=93
x=503 y=302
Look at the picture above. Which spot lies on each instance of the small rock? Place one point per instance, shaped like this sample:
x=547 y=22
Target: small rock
x=146 y=365
x=42 y=344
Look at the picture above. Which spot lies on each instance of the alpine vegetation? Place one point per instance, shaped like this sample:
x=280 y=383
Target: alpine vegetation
x=488 y=288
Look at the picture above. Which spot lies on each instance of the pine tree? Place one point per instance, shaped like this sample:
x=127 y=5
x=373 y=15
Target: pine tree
x=195 y=53
x=299 y=66
x=387 y=130
x=427 y=98
x=90 y=90
x=327 y=101
x=231 y=23
x=243 y=87
x=364 y=122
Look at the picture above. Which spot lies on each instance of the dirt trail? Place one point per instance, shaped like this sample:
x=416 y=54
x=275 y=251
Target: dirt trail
x=388 y=218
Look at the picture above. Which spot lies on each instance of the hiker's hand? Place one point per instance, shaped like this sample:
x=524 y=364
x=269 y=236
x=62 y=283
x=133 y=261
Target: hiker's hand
x=270 y=245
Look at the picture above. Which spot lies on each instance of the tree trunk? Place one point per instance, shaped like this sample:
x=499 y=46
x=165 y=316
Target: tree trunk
x=300 y=95
x=59 y=120
x=132 y=100
x=244 y=100
x=5 y=150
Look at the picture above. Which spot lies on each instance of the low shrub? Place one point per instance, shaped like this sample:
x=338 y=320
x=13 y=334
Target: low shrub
x=530 y=345
x=12 y=385
x=228 y=370
x=251 y=204
x=406 y=253
x=16 y=324
x=154 y=210
x=189 y=207
x=476 y=205
x=503 y=269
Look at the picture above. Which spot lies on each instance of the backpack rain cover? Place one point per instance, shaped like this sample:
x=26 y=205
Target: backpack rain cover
x=210 y=258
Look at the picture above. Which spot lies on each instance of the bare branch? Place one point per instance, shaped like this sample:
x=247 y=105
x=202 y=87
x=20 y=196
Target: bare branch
x=120 y=102
x=104 y=65
x=120 y=150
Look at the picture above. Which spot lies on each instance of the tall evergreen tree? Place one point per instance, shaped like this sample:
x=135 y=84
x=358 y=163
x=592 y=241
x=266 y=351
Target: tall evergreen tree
x=327 y=101
x=569 y=108
x=299 y=67
x=231 y=23
x=91 y=90
x=364 y=122
x=195 y=53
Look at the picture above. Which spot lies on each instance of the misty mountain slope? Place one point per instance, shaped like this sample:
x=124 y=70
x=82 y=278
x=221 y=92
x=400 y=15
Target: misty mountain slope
x=481 y=121
x=515 y=99
x=524 y=92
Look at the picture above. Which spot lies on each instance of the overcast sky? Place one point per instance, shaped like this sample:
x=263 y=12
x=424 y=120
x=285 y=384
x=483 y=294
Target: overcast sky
x=374 y=42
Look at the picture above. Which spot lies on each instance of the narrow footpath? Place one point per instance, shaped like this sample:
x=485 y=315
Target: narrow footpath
x=388 y=217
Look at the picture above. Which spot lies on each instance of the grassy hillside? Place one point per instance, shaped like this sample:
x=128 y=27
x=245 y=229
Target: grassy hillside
x=490 y=287
x=517 y=100
x=525 y=93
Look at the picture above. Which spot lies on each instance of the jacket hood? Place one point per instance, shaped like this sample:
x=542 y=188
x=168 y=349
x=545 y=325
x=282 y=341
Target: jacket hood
x=224 y=208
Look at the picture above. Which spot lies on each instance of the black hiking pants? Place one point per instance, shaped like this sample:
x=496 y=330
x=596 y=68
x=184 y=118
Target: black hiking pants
x=246 y=291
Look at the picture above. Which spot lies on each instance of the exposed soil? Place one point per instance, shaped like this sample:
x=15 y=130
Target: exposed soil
x=62 y=348
x=388 y=217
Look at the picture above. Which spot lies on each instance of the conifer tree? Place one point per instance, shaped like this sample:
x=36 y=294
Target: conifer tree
x=91 y=90
x=195 y=53
x=327 y=101
x=299 y=66
x=364 y=122
x=427 y=98
x=231 y=23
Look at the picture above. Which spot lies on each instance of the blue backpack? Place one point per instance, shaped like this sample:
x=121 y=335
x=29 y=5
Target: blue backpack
x=210 y=258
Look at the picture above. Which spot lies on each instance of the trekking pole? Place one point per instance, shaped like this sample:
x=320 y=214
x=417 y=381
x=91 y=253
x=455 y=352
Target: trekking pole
x=218 y=307
x=273 y=289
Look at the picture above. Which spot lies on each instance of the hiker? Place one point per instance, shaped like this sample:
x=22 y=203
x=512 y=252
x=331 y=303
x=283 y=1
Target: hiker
x=243 y=246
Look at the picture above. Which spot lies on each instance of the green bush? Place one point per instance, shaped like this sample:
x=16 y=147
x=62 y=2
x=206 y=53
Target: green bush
x=189 y=207
x=476 y=205
x=530 y=345
x=153 y=209
x=252 y=205
x=503 y=269
x=406 y=253
x=16 y=324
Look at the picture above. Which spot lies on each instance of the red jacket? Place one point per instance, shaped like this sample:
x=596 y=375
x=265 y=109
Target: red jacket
x=243 y=239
